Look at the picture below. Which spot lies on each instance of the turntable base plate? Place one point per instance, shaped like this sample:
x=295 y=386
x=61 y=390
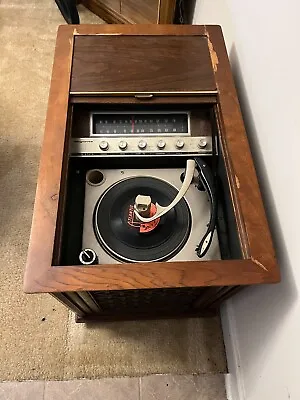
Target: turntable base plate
x=198 y=211
x=128 y=240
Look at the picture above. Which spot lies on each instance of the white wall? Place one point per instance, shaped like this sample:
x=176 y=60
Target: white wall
x=263 y=323
x=214 y=12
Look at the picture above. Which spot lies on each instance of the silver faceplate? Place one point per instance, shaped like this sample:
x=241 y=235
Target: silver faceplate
x=90 y=146
x=197 y=201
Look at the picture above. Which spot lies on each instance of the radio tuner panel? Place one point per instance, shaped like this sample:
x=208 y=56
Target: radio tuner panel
x=140 y=123
x=141 y=133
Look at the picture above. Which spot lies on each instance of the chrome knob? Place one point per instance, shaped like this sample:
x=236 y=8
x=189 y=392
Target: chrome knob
x=161 y=144
x=122 y=145
x=179 y=144
x=88 y=257
x=103 y=145
x=202 y=143
x=142 y=144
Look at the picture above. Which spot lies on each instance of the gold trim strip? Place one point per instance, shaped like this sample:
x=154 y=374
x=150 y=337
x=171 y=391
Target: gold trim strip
x=147 y=94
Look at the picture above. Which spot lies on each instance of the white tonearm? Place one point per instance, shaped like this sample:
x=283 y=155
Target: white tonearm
x=142 y=203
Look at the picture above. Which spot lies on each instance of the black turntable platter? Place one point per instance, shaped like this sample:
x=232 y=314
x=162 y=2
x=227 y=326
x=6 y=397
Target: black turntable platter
x=128 y=240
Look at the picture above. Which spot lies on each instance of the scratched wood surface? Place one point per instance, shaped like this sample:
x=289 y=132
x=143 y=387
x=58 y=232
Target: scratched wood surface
x=259 y=264
x=141 y=63
x=255 y=235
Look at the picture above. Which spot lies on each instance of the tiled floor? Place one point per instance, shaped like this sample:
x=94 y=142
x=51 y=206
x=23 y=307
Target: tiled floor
x=153 y=387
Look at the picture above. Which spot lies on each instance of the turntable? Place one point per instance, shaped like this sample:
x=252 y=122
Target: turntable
x=112 y=229
x=147 y=202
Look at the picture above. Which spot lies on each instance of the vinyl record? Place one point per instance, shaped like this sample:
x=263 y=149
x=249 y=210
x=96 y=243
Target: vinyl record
x=127 y=239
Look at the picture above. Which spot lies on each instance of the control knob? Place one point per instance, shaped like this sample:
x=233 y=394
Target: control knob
x=161 y=144
x=180 y=144
x=122 y=145
x=202 y=143
x=88 y=257
x=142 y=144
x=103 y=145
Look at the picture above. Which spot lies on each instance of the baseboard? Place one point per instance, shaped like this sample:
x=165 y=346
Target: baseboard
x=234 y=379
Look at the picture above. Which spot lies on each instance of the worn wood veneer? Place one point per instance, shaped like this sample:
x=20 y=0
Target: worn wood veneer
x=176 y=71
x=74 y=285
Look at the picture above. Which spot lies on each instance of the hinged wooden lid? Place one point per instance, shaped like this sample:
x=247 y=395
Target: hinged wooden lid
x=130 y=64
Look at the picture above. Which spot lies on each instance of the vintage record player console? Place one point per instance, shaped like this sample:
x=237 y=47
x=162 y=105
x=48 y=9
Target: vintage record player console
x=147 y=201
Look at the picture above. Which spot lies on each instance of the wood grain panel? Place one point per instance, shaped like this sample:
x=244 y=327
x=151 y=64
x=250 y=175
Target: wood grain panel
x=140 y=11
x=166 y=11
x=245 y=186
x=149 y=64
x=108 y=10
x=133 y=11
x=129 y=30
x=147 y=276
x=40 y=251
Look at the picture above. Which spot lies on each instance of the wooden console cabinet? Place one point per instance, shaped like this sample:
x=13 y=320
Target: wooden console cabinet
x=109 y=65
x=133 y=11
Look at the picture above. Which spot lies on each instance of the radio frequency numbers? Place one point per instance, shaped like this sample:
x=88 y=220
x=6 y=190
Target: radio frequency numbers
x=126 y=124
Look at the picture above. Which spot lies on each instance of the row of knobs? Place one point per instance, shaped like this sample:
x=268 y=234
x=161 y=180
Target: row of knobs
x=142 y=144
